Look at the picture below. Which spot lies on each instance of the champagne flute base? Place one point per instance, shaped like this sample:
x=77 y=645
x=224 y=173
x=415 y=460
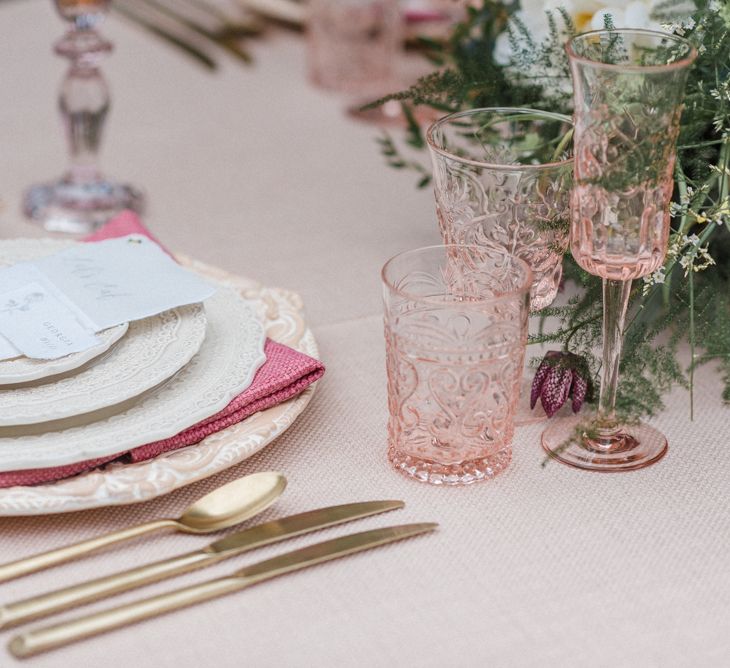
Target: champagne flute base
x=571 y=441
x=72 y=208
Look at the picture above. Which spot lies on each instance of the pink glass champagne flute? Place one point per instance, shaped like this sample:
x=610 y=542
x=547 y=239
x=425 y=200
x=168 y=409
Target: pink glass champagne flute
x=628 y=92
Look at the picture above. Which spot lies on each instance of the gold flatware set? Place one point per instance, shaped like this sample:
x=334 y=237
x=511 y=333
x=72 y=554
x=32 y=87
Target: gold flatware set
x=223 y=508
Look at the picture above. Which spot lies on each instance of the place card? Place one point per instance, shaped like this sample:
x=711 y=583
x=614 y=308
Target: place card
x=100 y=285
x=41 y=324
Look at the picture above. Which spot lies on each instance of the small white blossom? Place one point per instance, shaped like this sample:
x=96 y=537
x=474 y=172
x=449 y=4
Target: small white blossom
x=720 y=170
x=656 y=278
x=691 y=256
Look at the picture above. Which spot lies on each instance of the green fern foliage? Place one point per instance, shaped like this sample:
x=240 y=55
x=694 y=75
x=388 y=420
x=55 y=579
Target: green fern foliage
x=687 y=302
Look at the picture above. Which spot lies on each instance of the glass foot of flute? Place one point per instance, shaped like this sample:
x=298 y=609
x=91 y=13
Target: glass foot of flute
x=575 y=442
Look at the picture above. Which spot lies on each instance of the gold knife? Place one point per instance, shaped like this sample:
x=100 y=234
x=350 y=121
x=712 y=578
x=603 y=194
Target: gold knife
x=50 y=637
x=43 y=605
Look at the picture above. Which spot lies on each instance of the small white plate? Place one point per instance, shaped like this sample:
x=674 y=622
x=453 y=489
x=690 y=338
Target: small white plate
x=151 y=352
x=24 y=369
x=230 y=355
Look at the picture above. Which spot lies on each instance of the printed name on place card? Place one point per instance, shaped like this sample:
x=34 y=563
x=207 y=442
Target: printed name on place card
x=40 y=325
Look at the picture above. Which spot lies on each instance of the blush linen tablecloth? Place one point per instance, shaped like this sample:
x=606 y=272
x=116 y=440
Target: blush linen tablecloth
x=540 y=567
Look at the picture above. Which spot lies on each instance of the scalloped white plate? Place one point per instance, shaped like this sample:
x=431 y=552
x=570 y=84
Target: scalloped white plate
x=153 y=350
x=24 y=369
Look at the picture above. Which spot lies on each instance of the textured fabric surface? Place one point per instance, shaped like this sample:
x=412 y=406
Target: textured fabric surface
x=541 y=567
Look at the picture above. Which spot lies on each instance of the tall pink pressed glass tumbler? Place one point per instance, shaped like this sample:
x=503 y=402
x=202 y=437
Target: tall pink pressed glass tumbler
x=455 y=332
x=502 y=176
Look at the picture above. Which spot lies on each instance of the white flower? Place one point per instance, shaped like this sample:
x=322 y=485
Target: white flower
x=586 y=14
x=656 y=278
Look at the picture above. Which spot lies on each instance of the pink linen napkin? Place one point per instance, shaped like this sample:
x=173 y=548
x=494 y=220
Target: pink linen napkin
x=127 y=222
x=285 y=374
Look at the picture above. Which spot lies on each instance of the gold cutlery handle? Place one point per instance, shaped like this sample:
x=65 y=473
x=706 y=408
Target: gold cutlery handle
x=47 y=559
x=43 y=605
x=50 y=637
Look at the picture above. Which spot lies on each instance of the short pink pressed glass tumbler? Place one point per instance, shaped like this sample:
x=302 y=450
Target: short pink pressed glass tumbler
x=455 y=332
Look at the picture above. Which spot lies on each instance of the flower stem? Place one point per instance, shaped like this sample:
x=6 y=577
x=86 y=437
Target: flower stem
x=723 y=163
x=691 y=341
x=560 y=148
x=682 y=186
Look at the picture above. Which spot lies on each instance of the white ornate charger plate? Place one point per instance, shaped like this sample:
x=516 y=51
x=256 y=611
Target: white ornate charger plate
x=23 y=369
x=121 y=484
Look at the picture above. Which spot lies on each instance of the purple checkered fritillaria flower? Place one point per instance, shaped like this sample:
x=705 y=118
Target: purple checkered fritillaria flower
x=561 y=375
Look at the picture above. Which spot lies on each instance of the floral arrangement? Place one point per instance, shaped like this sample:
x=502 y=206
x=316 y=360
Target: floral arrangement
x=506 y=54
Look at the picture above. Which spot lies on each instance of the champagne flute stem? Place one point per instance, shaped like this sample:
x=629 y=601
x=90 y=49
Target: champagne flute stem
x=615 y=303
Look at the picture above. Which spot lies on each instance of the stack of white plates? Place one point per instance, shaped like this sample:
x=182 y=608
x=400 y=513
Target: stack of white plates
x=144 y=382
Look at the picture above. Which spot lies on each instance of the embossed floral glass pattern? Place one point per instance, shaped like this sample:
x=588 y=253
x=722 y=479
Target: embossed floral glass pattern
x=503 y=176
x=455 y=332
x=628 y=91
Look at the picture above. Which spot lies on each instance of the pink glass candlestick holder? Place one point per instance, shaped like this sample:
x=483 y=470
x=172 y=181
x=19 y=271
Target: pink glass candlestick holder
x=82 y=199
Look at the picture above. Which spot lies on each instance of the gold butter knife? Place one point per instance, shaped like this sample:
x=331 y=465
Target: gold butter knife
x=50 y=637
x=43 y=605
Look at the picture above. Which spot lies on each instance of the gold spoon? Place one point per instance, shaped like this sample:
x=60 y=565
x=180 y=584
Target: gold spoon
x=224 y=507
